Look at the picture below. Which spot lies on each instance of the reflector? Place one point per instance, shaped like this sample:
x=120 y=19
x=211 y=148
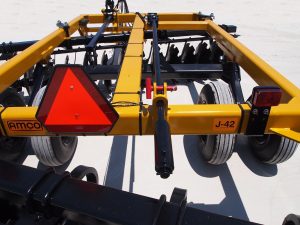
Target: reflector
x=73 y=103
x=266 y=96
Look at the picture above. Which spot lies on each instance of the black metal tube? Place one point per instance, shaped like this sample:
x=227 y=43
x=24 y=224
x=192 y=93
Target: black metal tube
x=64 y=51
x=24 y=193
x=182 y=40
x=92 y=44
x=106 y=38
x=164 y=161
x=174 y=71
x=156 y=59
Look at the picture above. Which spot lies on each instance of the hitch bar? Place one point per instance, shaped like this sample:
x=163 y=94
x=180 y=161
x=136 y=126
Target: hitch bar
x=164 y=162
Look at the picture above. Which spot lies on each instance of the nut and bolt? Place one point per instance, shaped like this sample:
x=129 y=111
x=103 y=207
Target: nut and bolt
x=254 y=111
x=266 y=112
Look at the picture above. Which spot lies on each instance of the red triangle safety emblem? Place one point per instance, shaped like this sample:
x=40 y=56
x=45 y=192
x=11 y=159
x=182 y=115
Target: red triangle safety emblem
x=73 y=103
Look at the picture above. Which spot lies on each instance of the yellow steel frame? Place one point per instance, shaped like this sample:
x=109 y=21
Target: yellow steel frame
x=284 y=119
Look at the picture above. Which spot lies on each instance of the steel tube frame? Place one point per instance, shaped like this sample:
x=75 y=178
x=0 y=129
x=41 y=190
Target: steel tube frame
x=183 y=119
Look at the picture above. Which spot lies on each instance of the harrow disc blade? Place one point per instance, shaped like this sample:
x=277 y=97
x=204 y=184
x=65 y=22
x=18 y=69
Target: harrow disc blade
x=187 y=56
x=202 y=53
x=172 y=55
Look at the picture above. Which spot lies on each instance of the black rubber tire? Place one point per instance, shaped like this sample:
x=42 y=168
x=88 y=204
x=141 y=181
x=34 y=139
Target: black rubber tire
x=217 y=149
x=11 y=148
x=52 y=151
x=272 y=148
x=291 y=219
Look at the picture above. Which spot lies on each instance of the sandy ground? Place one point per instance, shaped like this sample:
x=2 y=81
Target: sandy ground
x=242 y=188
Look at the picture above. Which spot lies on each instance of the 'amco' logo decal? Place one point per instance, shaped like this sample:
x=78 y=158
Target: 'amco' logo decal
x=24 y=125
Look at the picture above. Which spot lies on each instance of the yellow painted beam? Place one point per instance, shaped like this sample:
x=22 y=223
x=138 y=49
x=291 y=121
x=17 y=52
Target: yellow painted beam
x=204 y=119
x=183 y=119
x=21 y=121
x=257 y=68
x=288 y=133
x=182 y=25
x=127 y=92
x=121 y=18
x=129 y=81
x=130 y=17
x=18 y=65
x=178 y=17
x=128 y=121
x=284 y=116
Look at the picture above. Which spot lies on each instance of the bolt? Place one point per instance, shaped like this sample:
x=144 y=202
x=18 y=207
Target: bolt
x=266 y=112
x=71 y=87
x=254 y=111
x=76 y=115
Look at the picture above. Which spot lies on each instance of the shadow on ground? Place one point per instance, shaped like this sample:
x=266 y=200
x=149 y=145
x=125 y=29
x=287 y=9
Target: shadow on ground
x=261 y=169
x=115 y=167
x=116 y=163
x=29 y=151
x=232 y=204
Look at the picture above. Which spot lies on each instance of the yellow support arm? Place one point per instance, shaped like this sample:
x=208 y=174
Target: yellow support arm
x=127 y=93
x=258 y=69
x=18 y=65
x=183 y=119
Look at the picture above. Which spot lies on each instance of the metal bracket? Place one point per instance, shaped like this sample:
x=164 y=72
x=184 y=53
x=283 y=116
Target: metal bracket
x=152 y=18
x=7 y=51
x=64 y=26
x=90 y=173
x=159 y=97
x=109 y=5
x=229 y=28
x=232 y=75
x=83 y=26
x=258 y=120
x=202 y=16
x=179 y=197
x=109 y=8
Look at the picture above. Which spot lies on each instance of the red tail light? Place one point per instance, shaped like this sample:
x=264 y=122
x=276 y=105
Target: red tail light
x=266 y=96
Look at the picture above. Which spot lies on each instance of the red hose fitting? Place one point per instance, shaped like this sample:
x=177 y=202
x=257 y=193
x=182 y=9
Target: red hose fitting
x=148 y=88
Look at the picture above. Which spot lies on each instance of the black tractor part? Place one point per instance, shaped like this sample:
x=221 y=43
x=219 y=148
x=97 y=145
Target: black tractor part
x=30 y=196
x=291 y=219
